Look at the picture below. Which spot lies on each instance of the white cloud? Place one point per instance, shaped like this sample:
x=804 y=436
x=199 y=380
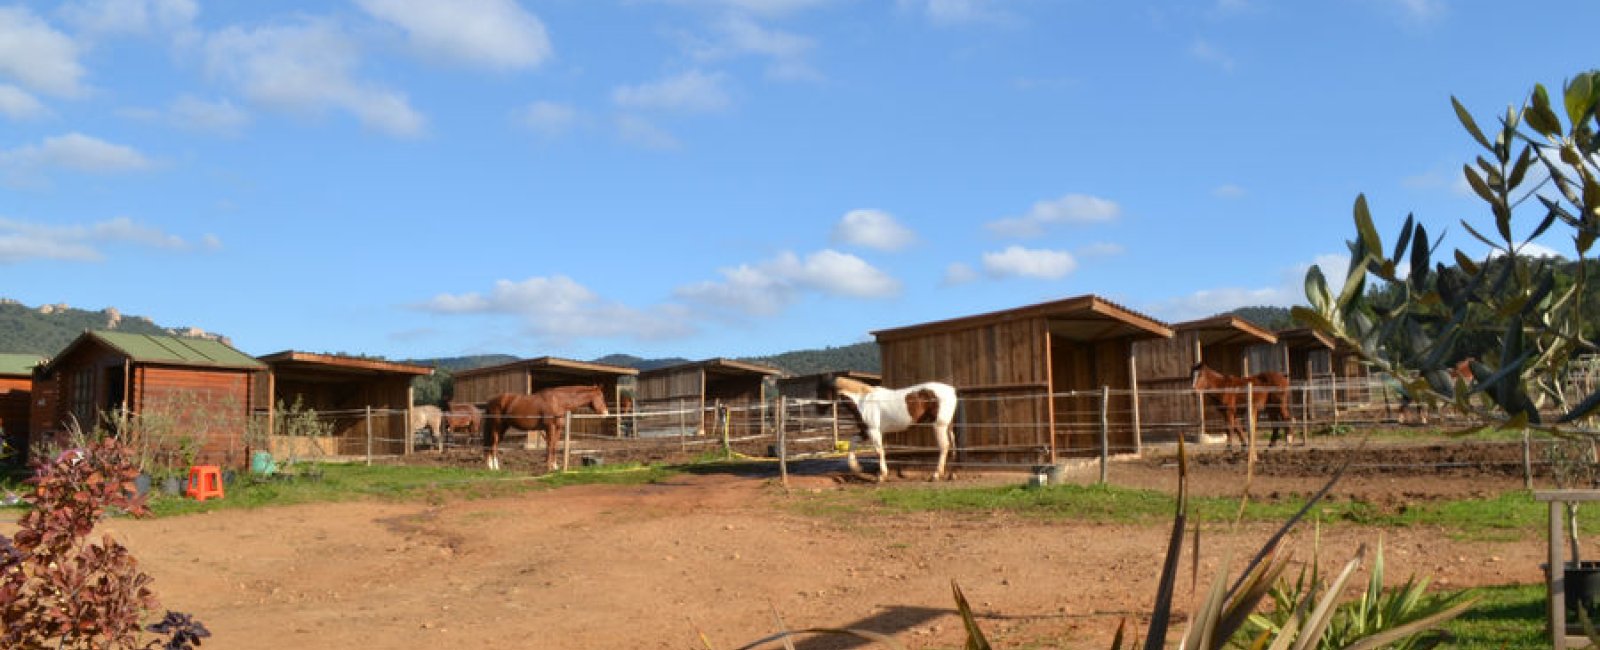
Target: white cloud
x=1288 y=291
x=693 y=91
x=959 y=273
x=640 y=132
x=37 y=56
x=17 y=104
x=549 y=119
x=873 y=229
x=130 y=16
x=558 y=309
x=1072 y=208
x=77 y=152
x=1420 y=10
x=1228 y=191
x=498 y=34
x=197 y=114
x=1016 y=261
x=1101 y=249
x=307 y=67
x=22 y=241
x=766 y=288
x=1205 y=51
x=952 y=12
x=759 y=7
x=740 y=35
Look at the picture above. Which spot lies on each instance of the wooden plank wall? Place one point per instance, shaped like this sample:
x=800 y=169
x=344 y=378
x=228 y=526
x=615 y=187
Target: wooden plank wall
x=16 y=395
x=477 y=389
x=44 y=414
x=1080 y=371
x=1000 y=371
x=342 y=404
x=1167 y=406
x=221 y=398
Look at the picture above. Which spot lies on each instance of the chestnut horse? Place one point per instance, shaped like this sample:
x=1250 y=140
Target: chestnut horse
x=890 y=410
x=545 y=409
x=1227 y=392
x=461 y=418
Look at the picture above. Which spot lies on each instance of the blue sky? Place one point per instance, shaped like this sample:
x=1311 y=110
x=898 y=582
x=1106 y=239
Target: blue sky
x=701 y=178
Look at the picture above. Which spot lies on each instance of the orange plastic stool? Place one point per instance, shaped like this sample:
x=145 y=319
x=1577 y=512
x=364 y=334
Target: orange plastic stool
x=205 y=482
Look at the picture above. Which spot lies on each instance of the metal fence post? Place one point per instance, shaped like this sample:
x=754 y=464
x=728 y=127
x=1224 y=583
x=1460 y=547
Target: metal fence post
x=1105 y=431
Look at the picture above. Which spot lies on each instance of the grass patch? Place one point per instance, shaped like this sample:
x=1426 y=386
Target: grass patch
x=352 y=482
x=1507 y=617
x=1511 y=512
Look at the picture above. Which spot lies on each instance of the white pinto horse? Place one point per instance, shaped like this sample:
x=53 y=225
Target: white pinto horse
x=896 y=409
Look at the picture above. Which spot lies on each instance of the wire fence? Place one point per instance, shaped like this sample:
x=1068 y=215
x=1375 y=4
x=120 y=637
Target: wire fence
x=1014 y=430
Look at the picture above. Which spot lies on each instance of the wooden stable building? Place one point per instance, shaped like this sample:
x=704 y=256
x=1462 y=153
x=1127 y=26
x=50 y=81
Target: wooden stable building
x=344 y=390
x=1306 y=356
x=205 y=385
x=1223 y=343
x=527 y=376
x=16 y=395
x=702 y=386
x=1029 y=378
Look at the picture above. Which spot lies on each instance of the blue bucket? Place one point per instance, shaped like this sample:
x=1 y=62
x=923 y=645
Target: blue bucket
x=261 y=463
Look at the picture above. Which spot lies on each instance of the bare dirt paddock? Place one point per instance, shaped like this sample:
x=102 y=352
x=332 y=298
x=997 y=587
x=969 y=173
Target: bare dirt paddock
x=656 y=566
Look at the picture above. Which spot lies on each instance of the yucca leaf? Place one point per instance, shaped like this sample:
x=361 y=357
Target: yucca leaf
x=1317 y=622
x=1418 y=626
x=975 y=638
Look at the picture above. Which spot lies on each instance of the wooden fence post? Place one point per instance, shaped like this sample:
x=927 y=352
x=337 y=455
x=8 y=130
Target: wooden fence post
x=1105 y=431
x=369 y=435
x=783 y=450
x=1250 y=415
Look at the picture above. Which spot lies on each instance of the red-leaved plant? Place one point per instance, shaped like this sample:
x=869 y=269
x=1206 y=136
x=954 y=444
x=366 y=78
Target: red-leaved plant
x=58 y=589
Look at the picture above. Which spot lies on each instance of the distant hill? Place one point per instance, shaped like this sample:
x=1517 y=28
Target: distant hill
x=1270 y=318
x=859 y=356
x=48 y=329
x=639 y=363
x=458 y=364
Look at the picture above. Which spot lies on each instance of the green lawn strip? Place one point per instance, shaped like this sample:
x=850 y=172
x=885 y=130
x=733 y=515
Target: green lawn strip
x=1506 y=617
x=1515 y=512
x=339 y=482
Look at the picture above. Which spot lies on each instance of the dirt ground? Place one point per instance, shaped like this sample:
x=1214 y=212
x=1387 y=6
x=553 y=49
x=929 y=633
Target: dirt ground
x=720 y=555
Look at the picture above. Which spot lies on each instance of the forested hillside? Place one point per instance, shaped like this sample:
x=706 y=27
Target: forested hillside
x=47 y=329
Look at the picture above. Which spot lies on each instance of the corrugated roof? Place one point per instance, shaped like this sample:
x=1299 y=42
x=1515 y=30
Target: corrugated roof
x=19 y=364
x=1227 y=330
x=175 y=350
x=1085 y=318
x=340 y=363
x=550 y=363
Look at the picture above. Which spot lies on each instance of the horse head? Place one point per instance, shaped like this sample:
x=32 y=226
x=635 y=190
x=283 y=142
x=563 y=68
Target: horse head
x=597 y=401
x=851 y=388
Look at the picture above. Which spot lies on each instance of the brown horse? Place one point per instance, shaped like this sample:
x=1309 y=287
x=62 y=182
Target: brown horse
x=461 y=418
x=545 y=409
x=1227 y=392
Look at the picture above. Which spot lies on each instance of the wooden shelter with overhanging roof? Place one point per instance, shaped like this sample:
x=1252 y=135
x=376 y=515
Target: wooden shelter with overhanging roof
x=342 y=388
x=1029 y=378
x=699 y=387
x=526 y=376
x=204 y=384
x=16 y=396
x=1223 y=343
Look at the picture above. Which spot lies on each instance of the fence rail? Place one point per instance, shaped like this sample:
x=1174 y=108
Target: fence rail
x=1085 y=423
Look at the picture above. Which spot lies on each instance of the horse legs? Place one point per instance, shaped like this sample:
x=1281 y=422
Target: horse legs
x=941 y=434
x=551 y=426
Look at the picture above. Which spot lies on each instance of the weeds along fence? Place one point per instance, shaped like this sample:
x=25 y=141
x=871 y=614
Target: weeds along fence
x=1012 y=430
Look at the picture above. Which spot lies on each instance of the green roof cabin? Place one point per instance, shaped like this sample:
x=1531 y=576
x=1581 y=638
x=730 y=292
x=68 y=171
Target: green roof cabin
x=104 y=379
x=16 y=393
